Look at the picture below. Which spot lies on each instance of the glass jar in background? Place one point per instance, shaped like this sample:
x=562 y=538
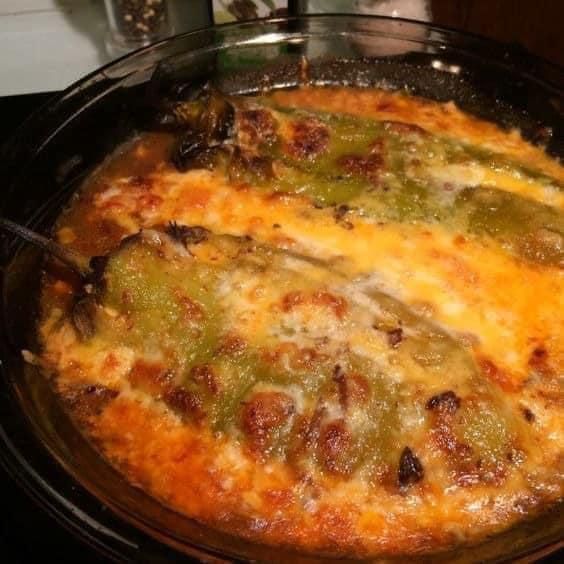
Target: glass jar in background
x=368 y=46
x=411 y=9
x=239 y=10
x=135 y=23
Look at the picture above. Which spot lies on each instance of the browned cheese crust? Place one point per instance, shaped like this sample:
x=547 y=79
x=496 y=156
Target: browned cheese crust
x=503 y=311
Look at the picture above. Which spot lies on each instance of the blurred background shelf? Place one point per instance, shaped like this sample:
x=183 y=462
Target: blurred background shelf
x=46 y=45
x=535 y=26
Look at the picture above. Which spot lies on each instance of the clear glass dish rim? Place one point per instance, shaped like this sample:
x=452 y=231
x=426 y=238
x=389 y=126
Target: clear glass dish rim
x=502 y=56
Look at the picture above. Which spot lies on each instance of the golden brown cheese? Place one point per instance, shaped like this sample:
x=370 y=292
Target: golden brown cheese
x=444 y=119
x=504 y=311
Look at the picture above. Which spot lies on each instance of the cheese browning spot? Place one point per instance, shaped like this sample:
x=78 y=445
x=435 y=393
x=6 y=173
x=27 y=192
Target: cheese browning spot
x=309 y=138
x=89 y=401
x=334 y=448
x=446 y=401
x=263 y=415
x=410 y=469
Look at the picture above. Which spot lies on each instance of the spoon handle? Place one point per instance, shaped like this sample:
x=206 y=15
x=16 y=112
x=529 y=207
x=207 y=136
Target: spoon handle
x=74 y=260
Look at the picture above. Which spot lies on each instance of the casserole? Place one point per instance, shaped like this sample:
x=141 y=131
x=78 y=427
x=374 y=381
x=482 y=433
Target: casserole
x=76 y=116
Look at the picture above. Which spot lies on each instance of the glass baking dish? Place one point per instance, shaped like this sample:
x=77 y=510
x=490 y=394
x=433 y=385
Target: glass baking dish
x=54 y=150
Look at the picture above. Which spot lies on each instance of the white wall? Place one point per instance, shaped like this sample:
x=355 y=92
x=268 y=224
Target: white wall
x=47 y=45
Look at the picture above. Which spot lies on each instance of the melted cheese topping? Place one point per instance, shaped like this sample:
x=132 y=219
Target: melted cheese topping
x=506 y=313
x=471 y=287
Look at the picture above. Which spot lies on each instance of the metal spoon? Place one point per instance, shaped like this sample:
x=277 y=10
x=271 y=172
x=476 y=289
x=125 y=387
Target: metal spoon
x=74 y=260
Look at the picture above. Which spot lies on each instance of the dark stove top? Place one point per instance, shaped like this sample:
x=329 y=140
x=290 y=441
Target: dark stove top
x=27 y=533
x=15 y=109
